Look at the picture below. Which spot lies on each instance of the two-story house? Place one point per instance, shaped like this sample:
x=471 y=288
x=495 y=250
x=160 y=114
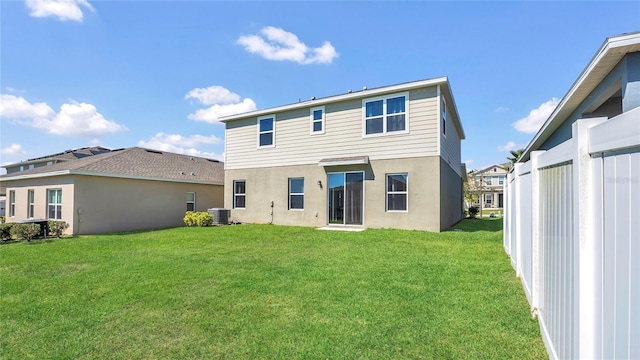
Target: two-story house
x=487 y=186
x=387 y=157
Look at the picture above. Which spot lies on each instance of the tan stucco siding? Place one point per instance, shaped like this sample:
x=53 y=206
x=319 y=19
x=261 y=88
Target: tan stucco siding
x=294 y=145
x=264 y=185
x=450 y=143
x=451 y=205
x=106 y=204
x=40 y=187
x=93 y=204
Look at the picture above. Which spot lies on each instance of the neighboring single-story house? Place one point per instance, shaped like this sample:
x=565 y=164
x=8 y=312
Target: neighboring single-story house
x=572 y=214
x=119 y=190
x=387 y=157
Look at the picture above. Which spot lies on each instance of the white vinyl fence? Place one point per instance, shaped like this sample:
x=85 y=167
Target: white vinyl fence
x=572 y=231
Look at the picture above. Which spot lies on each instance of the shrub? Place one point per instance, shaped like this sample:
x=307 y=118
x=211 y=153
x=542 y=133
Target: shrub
x=57 y=228
x=198 y=219
x=25 y=231
x=5 y=232
x=190 y=218
x=204 y=219
x=473 y=211
x=3 y=219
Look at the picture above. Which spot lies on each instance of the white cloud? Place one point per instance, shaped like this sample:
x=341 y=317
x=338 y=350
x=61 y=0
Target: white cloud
x=468 y=162
x=536 y=118
x=74 y=118
x=17 y=107
x=14 y=90
x=501 y=109
x=182 y=145
x=13 y=149
x=213 y=113
x=277 y=44
x=510 y=145
x=223 y=101
x=213 y=95
x=62 y=9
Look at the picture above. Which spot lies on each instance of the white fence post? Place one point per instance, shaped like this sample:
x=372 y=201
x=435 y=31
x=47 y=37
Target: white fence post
x=516 y=200
x=588 y=248
x=535 y=231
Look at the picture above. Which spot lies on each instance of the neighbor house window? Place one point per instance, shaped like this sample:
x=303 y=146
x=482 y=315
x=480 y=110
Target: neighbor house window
x=296 y=193
x=54 y=203
x=239 y=194
x=191 y=201
x=488 y=199
x=266 y=131
x=397 y=191
x=30 y=203
x=317 y=120
x=385 y=115
x=443 y=110
x=12 y=203
x=489 y=180
x=501 y=180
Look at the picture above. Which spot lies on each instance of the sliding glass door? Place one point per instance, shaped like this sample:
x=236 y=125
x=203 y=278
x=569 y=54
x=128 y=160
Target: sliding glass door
x=346 y=198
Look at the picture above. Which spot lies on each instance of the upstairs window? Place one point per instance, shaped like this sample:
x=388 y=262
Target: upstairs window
x=489 y=181
x=191 y=201
x=266 y=131
x=501 y=180
x=317 y=120
x=443 y=115
x=385 y=115
x=239 y=194
x=296 y=193
x=54 y=204
x=30 y=203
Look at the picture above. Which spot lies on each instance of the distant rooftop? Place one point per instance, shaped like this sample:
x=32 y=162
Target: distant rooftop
x=133 y=162
x=64 y=156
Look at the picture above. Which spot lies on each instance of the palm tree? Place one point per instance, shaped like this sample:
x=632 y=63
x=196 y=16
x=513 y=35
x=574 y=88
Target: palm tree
x=515 y=155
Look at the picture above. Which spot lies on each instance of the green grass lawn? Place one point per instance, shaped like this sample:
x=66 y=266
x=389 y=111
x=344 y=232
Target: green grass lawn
x=264 y=291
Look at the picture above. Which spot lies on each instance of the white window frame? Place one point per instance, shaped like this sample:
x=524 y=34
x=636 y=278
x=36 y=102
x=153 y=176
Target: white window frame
x=488 y=180
x=384 y=99
x=191 y=201
x=58 y=214
x=297 y=194
x=31 y=206
x=12 y=203
x=235 y=195
x=443 y=115
x=272 y=131
x=488 y=199
x=312 y=121
x=500 y=180
x=387 y=192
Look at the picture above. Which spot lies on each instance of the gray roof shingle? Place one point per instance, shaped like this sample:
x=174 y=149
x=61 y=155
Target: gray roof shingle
x=136 y=162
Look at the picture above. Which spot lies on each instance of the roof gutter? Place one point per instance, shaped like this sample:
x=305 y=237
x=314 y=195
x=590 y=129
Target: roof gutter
x=342 y=97
x=607 y=48
x=91 y=173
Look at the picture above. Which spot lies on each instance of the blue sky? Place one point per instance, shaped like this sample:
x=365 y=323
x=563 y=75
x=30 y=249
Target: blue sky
x=76 y=73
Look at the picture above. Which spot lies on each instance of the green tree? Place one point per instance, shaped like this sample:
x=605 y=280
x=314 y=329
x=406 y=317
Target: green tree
x=515 y=156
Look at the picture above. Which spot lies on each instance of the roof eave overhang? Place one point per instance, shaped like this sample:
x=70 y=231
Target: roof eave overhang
x=341 y=97
x=613 y=50
x=356 y=160
x=91 y=173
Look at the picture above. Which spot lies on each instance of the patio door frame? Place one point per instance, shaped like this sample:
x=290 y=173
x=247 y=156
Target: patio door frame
x=344 y=182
